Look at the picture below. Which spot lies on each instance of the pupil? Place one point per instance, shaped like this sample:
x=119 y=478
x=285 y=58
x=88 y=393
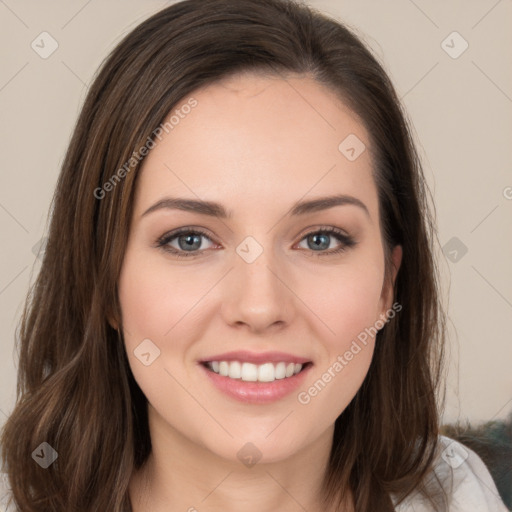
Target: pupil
x=190 y=241
x=316 y=236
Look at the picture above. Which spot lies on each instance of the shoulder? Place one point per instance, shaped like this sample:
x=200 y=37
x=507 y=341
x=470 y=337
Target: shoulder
x=465 y=479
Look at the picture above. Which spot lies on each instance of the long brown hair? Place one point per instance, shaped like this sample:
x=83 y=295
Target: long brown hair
x=75 y=389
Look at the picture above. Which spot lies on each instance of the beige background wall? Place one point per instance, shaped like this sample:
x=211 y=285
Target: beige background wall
x=459 y=101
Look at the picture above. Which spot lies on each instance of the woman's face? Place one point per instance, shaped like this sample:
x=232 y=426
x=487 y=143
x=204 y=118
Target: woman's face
x=262 y=285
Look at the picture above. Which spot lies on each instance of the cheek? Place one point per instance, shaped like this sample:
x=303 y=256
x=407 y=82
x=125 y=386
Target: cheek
x=348 y=299
x=155 y=306
x=152 y=301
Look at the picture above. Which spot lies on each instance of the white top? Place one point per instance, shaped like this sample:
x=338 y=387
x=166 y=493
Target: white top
x=462 y=472
x=465 y=478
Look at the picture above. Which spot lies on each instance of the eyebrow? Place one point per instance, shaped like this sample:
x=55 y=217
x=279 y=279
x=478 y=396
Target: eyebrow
x=217 y=210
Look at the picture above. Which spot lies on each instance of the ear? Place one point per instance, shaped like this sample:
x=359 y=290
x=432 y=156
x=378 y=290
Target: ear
x=112 y=321
x=387 y=296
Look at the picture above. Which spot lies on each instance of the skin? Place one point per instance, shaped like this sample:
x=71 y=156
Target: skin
x=257 y=145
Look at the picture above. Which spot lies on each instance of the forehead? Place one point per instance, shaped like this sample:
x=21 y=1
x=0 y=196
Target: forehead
x=259 y=137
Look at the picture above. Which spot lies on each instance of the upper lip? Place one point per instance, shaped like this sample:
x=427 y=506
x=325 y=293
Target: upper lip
x=256 y=358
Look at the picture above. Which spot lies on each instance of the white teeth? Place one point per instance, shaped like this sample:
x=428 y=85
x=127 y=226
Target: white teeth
x=235 y=370
x=267 y=372
x=280 y=370
x=223 y=368
x=249 y=371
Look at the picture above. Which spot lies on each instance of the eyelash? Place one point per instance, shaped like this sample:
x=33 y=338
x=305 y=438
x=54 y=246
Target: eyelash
x=162 y=243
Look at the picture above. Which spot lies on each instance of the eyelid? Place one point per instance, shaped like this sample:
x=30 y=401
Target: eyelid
x=315 y=228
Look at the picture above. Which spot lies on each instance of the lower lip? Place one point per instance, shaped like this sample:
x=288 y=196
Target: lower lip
x=256 y=392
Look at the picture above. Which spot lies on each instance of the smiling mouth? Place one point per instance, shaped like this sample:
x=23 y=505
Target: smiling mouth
x=249 y=372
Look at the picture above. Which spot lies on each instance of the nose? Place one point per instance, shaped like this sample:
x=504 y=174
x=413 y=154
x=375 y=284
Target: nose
x=257 y=294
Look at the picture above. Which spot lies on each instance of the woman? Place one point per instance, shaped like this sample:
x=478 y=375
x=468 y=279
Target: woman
x=238 y=304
